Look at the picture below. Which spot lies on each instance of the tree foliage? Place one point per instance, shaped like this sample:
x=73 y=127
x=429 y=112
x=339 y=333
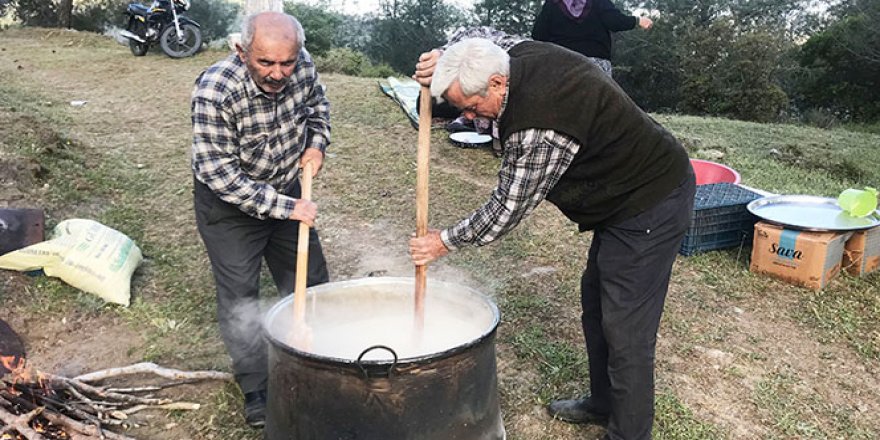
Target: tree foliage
x=710 y=57
x=843 y=64
x=36 y=12
x=758 y=60
x=216 y=17
x=321 y=26
x=515 y=17
x=98 y=15
x=406 y=28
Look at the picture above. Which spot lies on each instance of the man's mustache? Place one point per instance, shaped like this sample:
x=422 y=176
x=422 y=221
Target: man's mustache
x=275 y=82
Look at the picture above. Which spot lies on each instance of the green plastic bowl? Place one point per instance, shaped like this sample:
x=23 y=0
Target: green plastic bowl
x=858 y=202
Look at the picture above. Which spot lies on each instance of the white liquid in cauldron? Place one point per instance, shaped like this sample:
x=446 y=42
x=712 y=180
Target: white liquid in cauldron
x=344 y=323
x=347 y=340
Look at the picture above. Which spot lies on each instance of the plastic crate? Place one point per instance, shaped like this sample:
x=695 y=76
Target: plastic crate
x=720 y=219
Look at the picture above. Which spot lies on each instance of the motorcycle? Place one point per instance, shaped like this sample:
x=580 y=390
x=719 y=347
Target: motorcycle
x=162 y=22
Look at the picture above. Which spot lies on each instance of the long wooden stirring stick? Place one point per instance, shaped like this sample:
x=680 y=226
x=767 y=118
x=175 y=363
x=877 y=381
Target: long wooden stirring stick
x=423 y=157
x=301 y=330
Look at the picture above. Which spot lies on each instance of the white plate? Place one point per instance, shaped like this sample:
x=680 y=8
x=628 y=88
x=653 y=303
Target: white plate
x=470 y=138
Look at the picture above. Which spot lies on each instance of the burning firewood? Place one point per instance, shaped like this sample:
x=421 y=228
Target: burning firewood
x=36 y=405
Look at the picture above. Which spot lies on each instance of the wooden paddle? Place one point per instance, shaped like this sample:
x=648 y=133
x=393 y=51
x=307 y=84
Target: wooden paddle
x=423 y=159
x=302 y=333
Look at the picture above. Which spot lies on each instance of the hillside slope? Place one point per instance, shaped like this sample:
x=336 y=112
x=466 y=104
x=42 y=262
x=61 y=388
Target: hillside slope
x=740 y=356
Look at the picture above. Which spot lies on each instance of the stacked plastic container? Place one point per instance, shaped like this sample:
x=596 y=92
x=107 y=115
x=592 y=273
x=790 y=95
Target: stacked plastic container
x=720 y=219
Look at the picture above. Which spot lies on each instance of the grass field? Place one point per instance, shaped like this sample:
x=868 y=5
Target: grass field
x=740 y=356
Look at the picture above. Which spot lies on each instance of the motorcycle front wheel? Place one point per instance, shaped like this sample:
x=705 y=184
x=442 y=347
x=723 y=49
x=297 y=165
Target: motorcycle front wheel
x=138 y=49
x=183 y=47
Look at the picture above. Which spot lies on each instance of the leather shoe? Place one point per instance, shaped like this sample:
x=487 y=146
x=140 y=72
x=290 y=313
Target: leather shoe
x=255 y=408
x=577 y=411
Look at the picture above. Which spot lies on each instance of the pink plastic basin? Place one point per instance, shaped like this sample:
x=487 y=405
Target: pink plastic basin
x=711 y=172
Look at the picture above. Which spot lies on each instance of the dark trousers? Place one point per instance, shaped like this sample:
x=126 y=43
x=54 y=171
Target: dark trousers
x=237 y=243
x=622 y=293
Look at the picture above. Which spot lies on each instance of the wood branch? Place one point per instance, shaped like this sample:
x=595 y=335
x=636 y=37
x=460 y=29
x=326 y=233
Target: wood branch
x=149 y=388
x=92 y=431
x=151 y=368
x=84 y=387
x=185 y=406
x=21 y=423
x=83 y=410
x=49 y=402
x=70 y=425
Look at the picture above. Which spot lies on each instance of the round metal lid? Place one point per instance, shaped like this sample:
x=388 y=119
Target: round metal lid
x=809 y=213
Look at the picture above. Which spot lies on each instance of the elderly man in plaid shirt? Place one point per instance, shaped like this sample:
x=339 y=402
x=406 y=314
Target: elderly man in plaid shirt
x=258 y=117
x=572 y=137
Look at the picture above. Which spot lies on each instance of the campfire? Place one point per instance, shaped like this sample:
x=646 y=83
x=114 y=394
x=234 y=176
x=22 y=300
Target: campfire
x=36 y=405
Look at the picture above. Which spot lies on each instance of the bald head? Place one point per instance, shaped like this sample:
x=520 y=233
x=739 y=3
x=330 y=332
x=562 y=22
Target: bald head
x=273 y=27
x=271 y=43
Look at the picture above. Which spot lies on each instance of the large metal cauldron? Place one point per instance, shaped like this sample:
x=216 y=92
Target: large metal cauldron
x=368 y=376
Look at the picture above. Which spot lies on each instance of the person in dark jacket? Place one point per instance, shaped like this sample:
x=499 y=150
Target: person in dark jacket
x=571 y=135
x=585 y=26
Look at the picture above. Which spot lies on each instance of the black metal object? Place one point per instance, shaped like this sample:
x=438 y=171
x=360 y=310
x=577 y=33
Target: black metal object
x=12 y=351
x=20 y=228
x=451 y=395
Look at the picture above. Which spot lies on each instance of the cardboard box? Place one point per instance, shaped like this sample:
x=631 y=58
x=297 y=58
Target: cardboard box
x=861 y=255
x=806 y=258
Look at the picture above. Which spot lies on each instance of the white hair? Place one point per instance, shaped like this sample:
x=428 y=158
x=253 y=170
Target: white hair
x=471 y=62
x=248 y=28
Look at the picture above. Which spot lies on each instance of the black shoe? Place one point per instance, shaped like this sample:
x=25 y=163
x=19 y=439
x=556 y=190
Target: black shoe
x=577 y=411
x=255 y=409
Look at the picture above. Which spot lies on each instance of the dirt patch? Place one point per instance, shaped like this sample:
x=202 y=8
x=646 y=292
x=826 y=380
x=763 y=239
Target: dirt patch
x=100 y=341
x=761 y=366
x=18 y=176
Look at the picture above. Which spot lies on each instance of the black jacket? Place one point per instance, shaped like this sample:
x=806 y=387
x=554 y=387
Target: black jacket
x=590 y=35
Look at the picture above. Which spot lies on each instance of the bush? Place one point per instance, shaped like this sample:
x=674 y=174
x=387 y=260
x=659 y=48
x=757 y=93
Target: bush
x=321 y=26
x=749 y=77
x=820 y=117
x=216 y=17
x=349 y=62
x=36 y=12
x=844 y=67
x=4 y=5
x=98 y=15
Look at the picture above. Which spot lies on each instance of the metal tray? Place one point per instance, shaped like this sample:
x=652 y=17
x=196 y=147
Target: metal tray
x=809 y=213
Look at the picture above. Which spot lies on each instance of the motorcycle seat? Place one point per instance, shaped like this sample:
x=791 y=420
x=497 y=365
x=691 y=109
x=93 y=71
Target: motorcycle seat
x=138 y=9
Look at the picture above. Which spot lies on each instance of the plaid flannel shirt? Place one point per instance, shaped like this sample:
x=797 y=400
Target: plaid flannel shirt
x=247 y=144
x=532 y=162
x=500 y=38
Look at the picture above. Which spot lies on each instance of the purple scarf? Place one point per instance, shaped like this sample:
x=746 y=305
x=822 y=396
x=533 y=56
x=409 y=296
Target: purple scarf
x=576 y=10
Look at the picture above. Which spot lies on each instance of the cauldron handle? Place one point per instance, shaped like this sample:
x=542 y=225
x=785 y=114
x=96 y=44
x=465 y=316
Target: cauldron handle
x=387 y=373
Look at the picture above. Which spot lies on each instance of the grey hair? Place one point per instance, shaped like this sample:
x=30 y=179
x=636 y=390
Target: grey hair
x=471 y=62
x=247 y=30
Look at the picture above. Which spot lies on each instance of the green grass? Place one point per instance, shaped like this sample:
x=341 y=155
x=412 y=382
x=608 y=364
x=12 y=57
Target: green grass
x=795 y=414
x=675 y=421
